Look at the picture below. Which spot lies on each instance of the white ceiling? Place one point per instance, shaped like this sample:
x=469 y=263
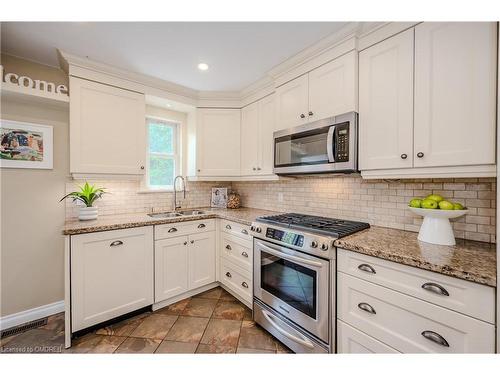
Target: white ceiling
x=238 y=53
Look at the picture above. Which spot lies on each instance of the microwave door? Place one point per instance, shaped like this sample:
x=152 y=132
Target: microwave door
x=331 y=144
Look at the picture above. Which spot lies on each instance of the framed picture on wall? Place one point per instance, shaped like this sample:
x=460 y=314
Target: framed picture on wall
x=26 y=145
x=219 y=198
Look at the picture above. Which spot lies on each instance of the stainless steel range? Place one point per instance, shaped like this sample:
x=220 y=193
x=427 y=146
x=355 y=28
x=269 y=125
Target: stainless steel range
x=294 y=278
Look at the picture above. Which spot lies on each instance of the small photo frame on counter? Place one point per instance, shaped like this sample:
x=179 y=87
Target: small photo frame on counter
x=219 y=198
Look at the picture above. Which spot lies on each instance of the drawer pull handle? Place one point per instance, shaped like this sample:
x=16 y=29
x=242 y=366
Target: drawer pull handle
x=116 y=243
x=228 y=247
x=244 y=231
x=435 y=288
x=366 y=307
x=192 y=241
x=185 y=242
x=228 y=274
x=245 y=254
x=172 y=230
x=435 y=337
x=367 y=268
x=201 y=226
x=244 y=284
x=228 y=227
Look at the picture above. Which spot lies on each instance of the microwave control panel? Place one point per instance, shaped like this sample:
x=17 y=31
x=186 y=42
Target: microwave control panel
x=342 y=142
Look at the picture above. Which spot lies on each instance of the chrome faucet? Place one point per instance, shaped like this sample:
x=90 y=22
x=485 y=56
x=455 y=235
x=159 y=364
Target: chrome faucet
x=175 y=191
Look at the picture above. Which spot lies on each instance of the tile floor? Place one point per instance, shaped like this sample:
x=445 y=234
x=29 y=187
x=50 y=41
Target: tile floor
x=210 y=322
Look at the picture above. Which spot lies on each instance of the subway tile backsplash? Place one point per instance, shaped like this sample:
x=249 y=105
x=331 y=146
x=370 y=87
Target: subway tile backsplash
x=379 y=202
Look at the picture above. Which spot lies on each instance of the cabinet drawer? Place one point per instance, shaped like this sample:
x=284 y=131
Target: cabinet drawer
x=463 y=296
x=402 y=322
x=237 y=229
x=183 y=228
x=352 y=341
x=238 y=251
x=237 y=279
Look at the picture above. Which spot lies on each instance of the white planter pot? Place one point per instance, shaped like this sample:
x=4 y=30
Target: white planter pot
x=88 y=213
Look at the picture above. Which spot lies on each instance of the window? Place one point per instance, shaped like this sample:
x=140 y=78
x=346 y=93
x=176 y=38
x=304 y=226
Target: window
x=162 y=154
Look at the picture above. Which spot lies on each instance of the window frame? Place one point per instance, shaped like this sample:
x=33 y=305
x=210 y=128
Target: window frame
x=176 y=125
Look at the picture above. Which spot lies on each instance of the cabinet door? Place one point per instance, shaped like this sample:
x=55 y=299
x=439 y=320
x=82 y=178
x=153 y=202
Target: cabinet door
x=218 y=141
x=267 y=128
x=455 y=80
x=171 y=267
x=333 y=88
x=292 y=103
x=352 y=341
x=250 y=128
x=107 y=129
x=111 y=274
x=201 y=259
x=386 y=104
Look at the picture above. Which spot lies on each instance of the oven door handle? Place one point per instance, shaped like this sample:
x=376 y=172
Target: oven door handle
x=302 y=341
x=291 y=257
x=329 y=144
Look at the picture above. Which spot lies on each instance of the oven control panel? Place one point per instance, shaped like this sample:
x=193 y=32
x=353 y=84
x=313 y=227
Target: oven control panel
x=285 y=237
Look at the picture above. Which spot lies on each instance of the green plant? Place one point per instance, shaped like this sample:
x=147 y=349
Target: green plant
x=88 y=194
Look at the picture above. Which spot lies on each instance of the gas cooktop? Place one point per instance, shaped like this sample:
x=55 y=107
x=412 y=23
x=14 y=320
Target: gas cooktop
x=316 y=224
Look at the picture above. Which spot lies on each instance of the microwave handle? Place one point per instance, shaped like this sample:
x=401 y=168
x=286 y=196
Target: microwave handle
x=330 y=145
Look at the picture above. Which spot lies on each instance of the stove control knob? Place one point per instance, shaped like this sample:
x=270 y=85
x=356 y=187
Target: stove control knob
x=258 y=230
x=324 y=246
x=314 y=244
x=252 y=228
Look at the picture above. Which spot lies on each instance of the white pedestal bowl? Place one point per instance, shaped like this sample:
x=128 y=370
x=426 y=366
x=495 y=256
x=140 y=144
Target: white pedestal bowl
x=436 y=228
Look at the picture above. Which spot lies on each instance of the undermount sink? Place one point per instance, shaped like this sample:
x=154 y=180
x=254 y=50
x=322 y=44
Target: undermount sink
x=192 y=212
x=164 y=215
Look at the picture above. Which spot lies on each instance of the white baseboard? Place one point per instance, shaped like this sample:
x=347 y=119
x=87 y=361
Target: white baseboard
x=26 y=316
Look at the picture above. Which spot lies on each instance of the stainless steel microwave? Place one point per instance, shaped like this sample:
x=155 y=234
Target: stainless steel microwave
x=324 y=146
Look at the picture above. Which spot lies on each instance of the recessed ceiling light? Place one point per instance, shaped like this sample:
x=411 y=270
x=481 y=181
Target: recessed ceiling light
x=202 y=66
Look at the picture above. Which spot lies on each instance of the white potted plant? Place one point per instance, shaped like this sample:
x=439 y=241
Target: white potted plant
x=87 y=195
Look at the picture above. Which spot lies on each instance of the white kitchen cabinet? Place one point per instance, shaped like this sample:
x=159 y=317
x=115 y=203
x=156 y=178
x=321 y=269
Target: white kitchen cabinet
x=257 y=127
x=455 y=93
x=111 y=275
x=107 y=129
x=218 y=142
x=202 y=256
x=333 y=87
x=292 y=103
x=352 y=341
x=171 y=267
x=386 y=104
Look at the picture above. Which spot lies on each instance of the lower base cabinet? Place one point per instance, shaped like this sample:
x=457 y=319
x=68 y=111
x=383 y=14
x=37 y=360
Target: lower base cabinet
x=352 y=341
x=111 y=275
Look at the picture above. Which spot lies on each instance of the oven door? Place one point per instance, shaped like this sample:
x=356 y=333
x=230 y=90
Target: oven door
x=294 y=284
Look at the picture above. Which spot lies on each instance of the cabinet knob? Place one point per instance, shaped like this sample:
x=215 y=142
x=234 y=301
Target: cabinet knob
x=228 y=274
x=258 y=168
x=404 y=156
x=142 y=166
x=302 y=115
x=199 y=170
x=192 y=241
x=228 y=247
x=254 y=168
x=244 y=284
x=185 y=243
x=311 y=113
x=420 y=154
x=435 y=337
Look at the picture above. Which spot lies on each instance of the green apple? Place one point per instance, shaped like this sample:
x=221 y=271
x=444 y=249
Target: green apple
x=429 y=204
x=457 y=206
x=435 y=197
x=416 y=203
x=445 y=205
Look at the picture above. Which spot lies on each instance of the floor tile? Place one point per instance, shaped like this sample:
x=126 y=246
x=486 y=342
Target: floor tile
x=155 y=326
x=254 y=351
x=187 y=329
x=92 y=343
x=226 y=296
x=248 y=314
x=233 y=310
x=137 y=345
x=200 y=307
x=55 y=323
x=214 y=349
x=174 y=309
x=36 y=340
x=124 y=327
x=214 y=293
x=254 y=337
x=222 y=332
x=177 y=347
x=282 y=349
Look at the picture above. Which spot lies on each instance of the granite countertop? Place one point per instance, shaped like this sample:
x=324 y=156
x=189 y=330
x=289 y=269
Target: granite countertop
x=468 y=260
x=111 y=222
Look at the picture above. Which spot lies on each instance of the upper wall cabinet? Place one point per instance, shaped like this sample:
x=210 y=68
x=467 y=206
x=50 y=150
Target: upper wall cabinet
x=326 y=91
x=107 y=129
x=427 y=102
x=257 y=127
x=218 y=142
